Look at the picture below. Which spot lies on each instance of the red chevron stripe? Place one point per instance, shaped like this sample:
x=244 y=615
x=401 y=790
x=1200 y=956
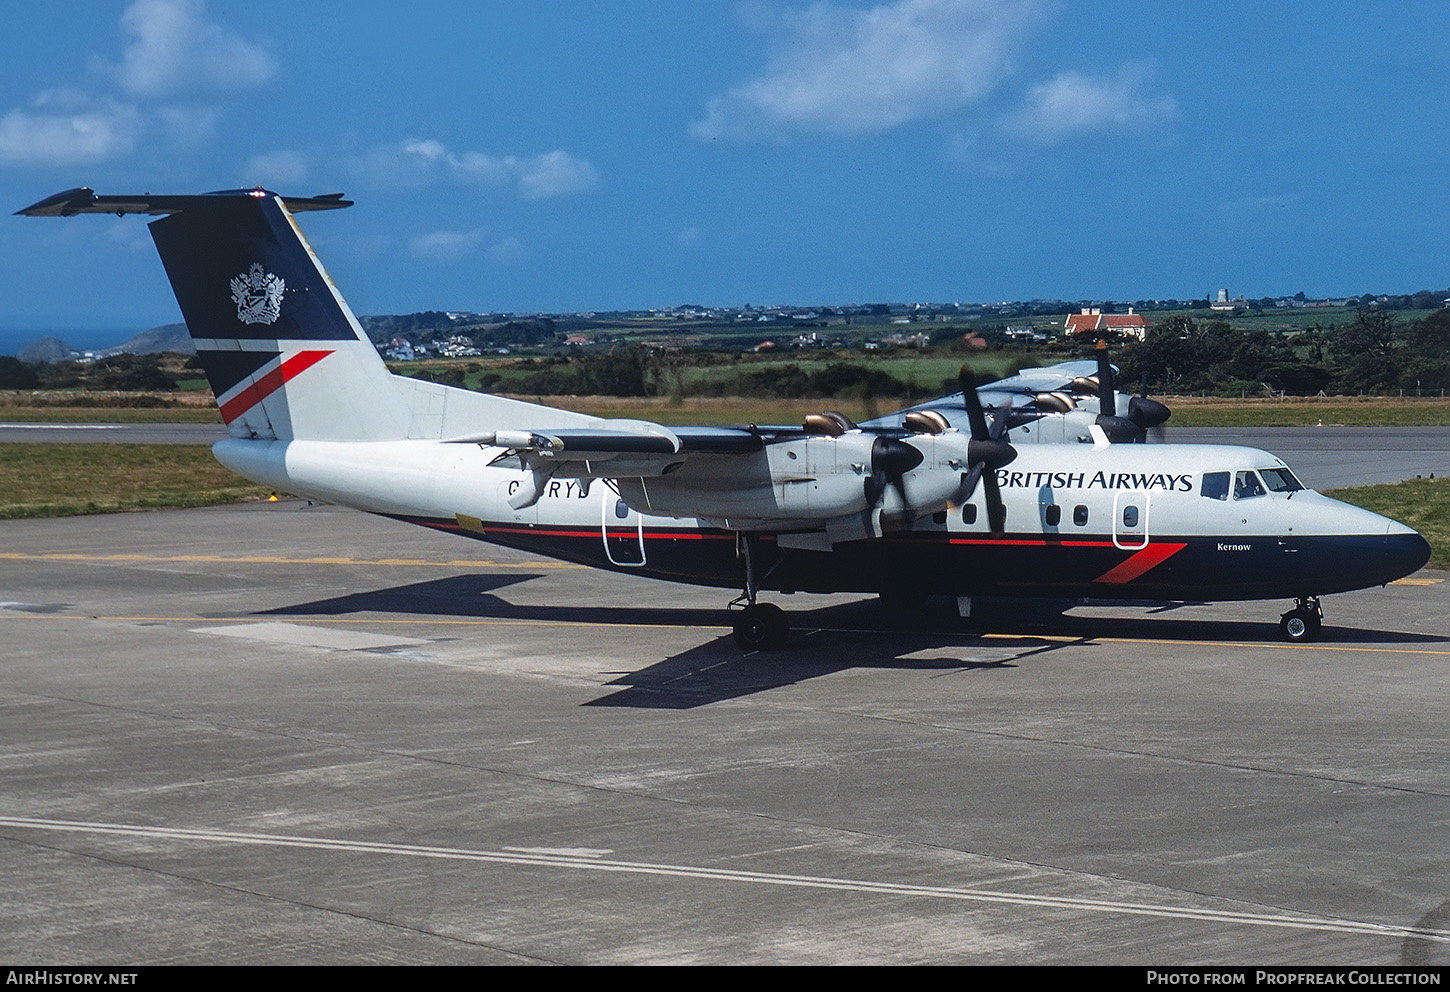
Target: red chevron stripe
x=1144 y=561
x=268 y=384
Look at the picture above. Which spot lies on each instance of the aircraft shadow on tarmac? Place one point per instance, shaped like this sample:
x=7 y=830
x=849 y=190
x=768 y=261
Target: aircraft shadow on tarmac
x=825 y=640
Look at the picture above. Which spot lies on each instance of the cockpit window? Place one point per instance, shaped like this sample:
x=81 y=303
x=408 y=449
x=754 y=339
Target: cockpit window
x=1280 y=480
x=1246 y=485
x=1215 y=485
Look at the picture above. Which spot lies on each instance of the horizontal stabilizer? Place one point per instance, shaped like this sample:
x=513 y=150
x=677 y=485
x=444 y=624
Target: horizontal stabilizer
x=83 y=200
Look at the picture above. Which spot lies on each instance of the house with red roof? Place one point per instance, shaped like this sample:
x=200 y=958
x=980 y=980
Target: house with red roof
x=1093 y=321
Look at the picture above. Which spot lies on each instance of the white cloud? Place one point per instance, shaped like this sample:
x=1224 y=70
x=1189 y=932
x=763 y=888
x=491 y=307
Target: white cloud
x=535 y=177
x=274 y=169
x=555 y=173
x=852 y=72
x=509 y=251
x=1074 y=104
x=173 y=50
x=445 y=246
x=68 y=133
x=173 y=58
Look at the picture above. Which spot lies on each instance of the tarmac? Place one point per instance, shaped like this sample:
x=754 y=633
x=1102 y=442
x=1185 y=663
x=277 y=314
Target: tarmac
x=294 y=734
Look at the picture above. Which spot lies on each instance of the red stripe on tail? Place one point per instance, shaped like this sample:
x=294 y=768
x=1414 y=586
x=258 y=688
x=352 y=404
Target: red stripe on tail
x=268 y=384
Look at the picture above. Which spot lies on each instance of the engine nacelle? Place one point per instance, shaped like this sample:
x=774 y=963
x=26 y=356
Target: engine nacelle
x=813 y=478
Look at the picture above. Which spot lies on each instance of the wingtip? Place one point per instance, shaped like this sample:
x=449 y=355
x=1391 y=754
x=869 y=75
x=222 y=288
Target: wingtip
x=60 y=204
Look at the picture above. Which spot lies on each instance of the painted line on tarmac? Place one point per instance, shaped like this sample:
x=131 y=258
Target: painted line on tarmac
x=64 y=427
x=593 y=860
x=277 y=560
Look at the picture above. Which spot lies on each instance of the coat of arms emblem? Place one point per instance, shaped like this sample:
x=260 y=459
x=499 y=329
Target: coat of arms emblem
x=258 y=295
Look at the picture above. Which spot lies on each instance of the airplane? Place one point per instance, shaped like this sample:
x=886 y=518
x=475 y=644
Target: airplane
x=937 y=499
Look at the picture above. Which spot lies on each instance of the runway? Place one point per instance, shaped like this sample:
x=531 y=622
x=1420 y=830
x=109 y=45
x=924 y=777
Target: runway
x=281 y=734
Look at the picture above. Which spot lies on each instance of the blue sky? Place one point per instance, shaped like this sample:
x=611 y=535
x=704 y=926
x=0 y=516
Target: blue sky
x=602 y=154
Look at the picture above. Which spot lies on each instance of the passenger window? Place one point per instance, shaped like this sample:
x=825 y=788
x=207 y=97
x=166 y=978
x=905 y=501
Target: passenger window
x=939 y=518
x=1130 y=516
x=621 y=509
x=1215 y=485
x=969 y=513
x=1247 y=485
x=1054 y=515
x=1079 y=515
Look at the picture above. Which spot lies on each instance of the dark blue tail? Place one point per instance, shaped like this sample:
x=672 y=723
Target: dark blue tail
x=284 y=354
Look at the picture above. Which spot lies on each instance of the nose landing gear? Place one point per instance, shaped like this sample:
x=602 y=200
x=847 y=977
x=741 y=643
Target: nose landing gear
x=1302 y=623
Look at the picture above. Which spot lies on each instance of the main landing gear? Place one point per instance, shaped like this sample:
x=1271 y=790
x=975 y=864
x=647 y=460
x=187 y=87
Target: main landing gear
x=760 y=626
x=1301 y=624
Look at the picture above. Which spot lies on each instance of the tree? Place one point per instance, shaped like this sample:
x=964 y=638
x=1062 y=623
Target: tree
x=15 y=374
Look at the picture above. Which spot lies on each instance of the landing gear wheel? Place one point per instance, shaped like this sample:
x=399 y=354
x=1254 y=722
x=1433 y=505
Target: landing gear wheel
x=762 y=627
x=1299 y=625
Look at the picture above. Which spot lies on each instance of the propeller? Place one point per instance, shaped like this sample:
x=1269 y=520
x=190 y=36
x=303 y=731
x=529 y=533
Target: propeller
x=986 y=450
x=1119 y=430
x=890 y=461
x=1149 y=415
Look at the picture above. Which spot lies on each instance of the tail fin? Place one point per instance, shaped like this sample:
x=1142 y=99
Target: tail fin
x=284 y=354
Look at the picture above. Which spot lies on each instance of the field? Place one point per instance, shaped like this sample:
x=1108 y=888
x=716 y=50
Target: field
x=1188 y=411
x=64 y=406
x=57 y=480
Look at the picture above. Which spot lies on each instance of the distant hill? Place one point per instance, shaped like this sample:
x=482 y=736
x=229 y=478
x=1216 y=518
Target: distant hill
x=175 y=338
x=167 y=337
x=47 y=349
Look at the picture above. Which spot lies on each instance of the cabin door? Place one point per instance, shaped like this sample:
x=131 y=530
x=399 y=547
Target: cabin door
x=623 y=531
x=1130 y=521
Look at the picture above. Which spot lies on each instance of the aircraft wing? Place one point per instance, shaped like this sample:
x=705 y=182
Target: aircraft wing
x=615 y=449
x=84 y=200
x=615 y=438
x=1022 y=389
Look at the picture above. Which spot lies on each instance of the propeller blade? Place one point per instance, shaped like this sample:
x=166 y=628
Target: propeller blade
x=1001 y=420
x=1107 y=392
x=996 y=511
x=1119 y=430
x=970 y=478
x=973 y=403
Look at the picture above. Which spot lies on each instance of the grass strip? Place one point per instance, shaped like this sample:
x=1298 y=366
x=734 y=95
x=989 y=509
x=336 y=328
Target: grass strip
x=58 y=480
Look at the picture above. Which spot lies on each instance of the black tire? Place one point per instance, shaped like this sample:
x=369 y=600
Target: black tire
x=762 y=627
x=1299 y=626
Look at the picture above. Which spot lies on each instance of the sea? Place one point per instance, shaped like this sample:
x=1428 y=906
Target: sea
x=12 y=339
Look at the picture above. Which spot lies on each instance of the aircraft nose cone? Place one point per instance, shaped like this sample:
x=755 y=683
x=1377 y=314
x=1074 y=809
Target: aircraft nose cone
x=1405 y=553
